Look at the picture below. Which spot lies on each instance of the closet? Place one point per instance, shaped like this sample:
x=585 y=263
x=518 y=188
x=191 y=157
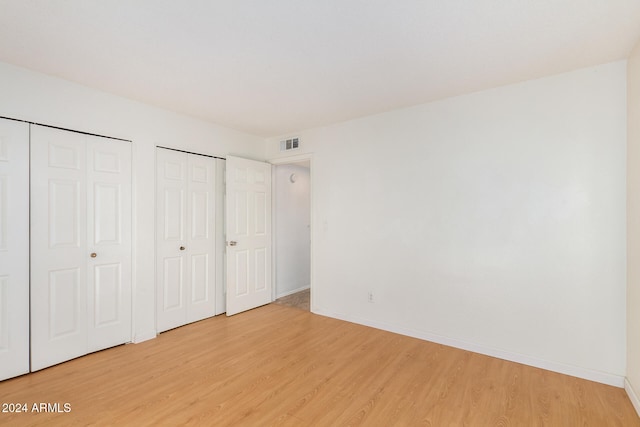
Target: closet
x=14 y=248
x=80 y=244
x=186 y=238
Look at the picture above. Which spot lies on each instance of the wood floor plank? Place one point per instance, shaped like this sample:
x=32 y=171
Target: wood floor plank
x=280 y=366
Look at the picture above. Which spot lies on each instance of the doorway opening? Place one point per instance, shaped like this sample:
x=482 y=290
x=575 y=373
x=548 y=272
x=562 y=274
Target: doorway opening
x=292 y=232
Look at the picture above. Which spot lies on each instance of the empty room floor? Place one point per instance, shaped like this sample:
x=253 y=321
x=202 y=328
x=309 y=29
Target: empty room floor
x=299 y=300
x=278 y=365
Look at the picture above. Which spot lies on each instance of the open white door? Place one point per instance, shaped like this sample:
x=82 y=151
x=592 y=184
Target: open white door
x=248 y=233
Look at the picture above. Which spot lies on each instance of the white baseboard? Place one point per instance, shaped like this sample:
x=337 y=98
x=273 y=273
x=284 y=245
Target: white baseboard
x=574 y=371
x=144 y=337
x=284 y=294
x=633 y=397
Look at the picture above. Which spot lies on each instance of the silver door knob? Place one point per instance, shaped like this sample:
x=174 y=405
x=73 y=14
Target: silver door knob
x=93 y=255
x=233 y=243
x=182 y=248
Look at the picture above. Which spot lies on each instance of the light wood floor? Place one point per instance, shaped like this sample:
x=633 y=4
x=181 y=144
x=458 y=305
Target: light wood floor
x=282 y=366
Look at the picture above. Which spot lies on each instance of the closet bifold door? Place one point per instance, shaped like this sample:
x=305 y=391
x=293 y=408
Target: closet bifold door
x=14 y=248
x=80 y=244
x=185 y=264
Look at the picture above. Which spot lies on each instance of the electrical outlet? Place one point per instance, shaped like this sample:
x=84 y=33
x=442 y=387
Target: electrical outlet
x=370 y=296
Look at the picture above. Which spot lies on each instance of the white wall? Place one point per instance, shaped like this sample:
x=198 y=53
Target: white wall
x=493 y=221
x=35 y=97
x=292 y=229
x=633 y=227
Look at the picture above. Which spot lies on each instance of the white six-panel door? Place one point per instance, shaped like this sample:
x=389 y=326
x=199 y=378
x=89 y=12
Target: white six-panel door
x=201 y=261
x=248 y=201
x=109 y=239
x=171 y=214
x=14 y=248
x=185 y=238
x=80 y=244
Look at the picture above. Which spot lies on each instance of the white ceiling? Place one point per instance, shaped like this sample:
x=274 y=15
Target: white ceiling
x=277 y=66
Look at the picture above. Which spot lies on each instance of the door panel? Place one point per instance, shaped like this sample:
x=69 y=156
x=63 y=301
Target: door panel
x=200 y=278
x=171 y=181
x=64 y=306
x=107 y=214
x=65 y=154
x=261 y=214
x=241 y=276
x=174 y=214
x=174 y=166
x=14 y=248
x=201 y=188
x=64 y=213
x=199 y=215
x=186 y=188
x=109 y=246
x=260 y=269
x=108 y=161
x=174 y=278
x=248 y=198
x=240 y=214
x=58 y=246
x=108 y=294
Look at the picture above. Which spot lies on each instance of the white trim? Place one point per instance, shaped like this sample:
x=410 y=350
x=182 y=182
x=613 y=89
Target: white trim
x=290 y=159
x=284 y=294
x=633 y=397
x=575 y=371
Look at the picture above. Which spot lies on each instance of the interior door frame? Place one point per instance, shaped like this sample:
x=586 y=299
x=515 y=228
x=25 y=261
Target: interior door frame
x=274 y=212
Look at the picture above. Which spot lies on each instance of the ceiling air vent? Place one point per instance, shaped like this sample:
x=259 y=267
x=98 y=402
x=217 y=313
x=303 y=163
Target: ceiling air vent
x=290 y=144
